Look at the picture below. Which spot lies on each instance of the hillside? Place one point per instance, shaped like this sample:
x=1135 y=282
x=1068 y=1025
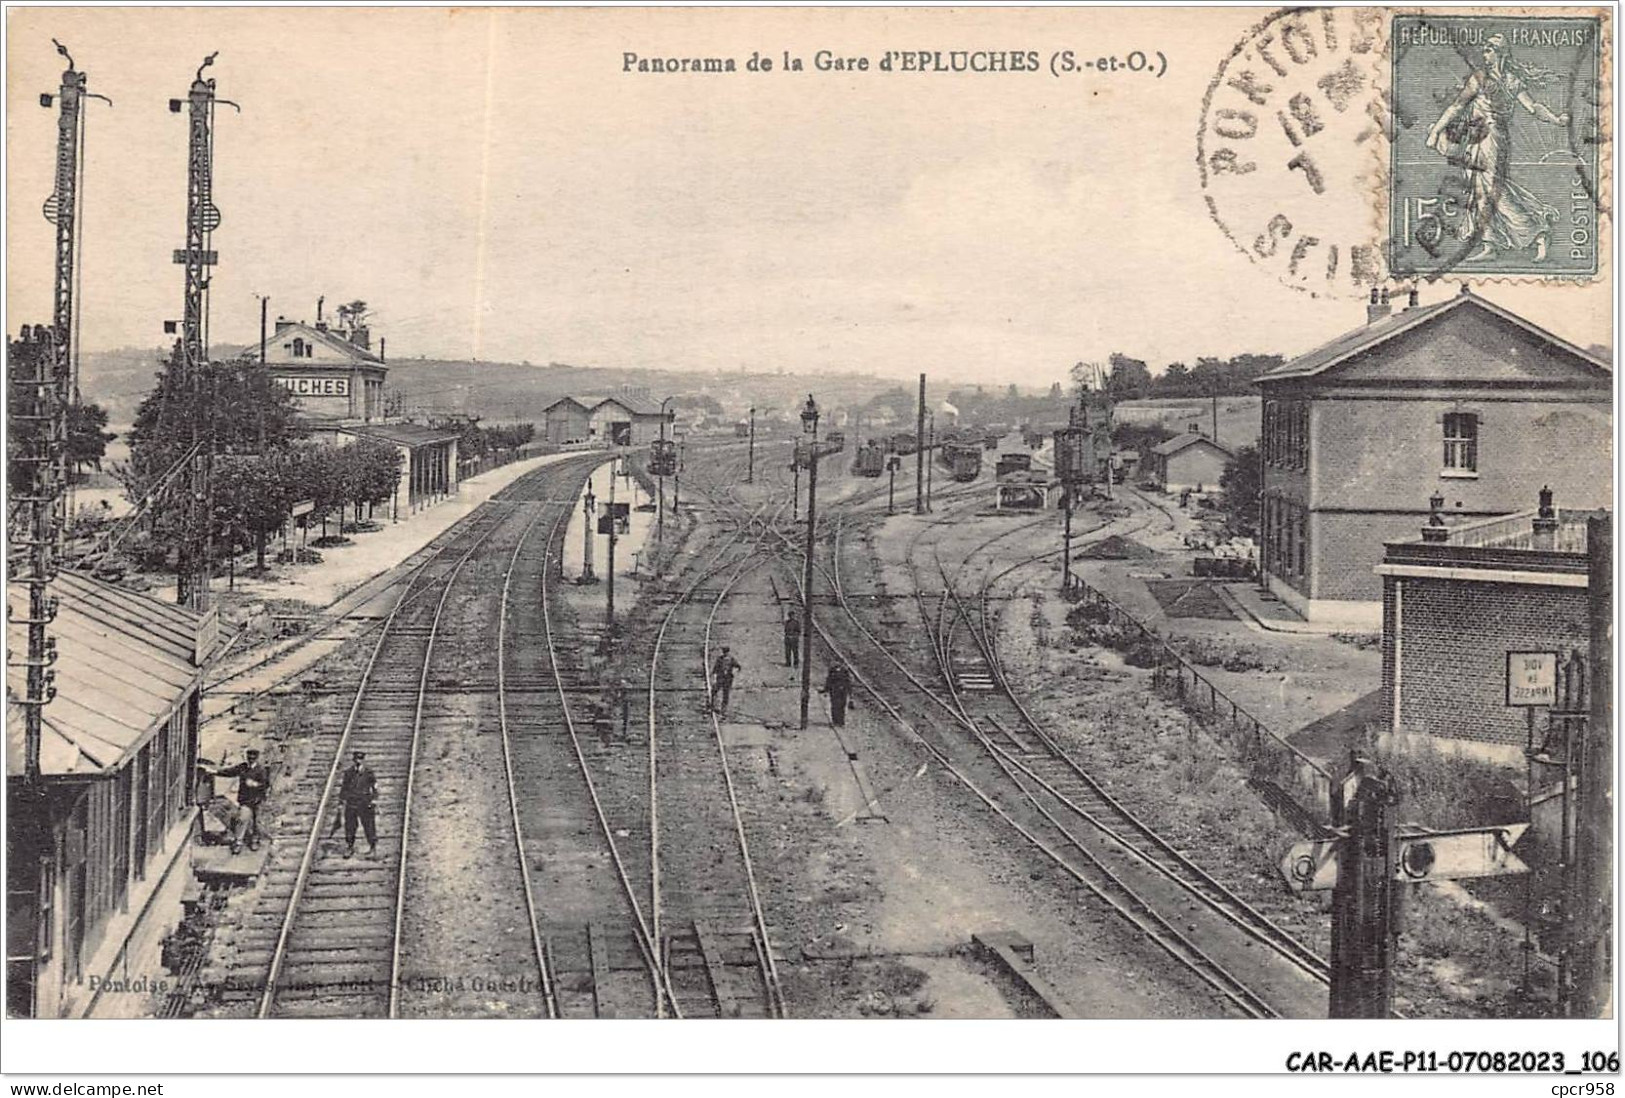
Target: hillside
x=119 y=379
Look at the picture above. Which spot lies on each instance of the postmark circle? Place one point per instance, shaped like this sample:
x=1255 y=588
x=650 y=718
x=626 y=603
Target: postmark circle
x=1291 y=146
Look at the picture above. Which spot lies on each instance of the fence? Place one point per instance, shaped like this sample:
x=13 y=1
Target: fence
x=1294 y=785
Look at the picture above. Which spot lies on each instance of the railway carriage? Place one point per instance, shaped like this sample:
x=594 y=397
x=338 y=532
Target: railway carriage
x=870 y=460
x=964 y=460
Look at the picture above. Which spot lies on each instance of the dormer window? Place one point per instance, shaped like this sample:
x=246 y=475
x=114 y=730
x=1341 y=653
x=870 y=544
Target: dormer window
x=1460 y=444
x=298 y=348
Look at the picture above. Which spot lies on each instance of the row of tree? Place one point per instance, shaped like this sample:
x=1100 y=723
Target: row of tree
x=1131 y=378
x=263 y=465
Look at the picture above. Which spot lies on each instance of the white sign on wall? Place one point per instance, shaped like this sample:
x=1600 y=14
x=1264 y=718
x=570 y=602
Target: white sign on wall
x=316 y=386
x=1532 y=679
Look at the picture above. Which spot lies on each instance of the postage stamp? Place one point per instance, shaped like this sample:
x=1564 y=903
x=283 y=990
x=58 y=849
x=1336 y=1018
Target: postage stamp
x=1495 y=145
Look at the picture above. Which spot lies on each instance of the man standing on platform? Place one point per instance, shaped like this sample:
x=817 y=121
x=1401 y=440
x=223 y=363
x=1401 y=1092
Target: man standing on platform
x=792 y=639
x=838 y=685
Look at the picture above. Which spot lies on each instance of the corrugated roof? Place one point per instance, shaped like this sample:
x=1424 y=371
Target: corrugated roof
x=1180 y=442
x=124 y=662
x=1367 y=336
x=402 y=434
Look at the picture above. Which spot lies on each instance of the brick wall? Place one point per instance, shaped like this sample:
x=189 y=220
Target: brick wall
x=1452 y=641
x=1346 y=549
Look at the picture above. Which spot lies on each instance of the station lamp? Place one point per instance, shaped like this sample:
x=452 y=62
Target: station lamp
x=809 y=416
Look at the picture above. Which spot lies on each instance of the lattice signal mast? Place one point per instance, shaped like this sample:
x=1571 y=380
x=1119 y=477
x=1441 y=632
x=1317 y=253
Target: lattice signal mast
x=40 y=368
x=202 y=218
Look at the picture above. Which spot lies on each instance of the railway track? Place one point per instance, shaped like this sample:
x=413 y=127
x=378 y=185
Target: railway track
x=1027 y=811
x=590 y=936
x=323 y=940
x=716 y=953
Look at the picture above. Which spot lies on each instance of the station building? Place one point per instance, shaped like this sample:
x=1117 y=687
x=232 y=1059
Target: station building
x=337 y=380
x=98 y=845
x=1461 y=398
x=333 y=374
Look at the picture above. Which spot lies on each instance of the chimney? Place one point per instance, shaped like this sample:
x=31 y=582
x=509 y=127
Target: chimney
x=382 y=343
x=1545 y=524
x=1194 y=428
x=321 y=325
x=1414 y=299
x=361 y=336
x=1378 y=307
x=1434 y=529
x=282 y=325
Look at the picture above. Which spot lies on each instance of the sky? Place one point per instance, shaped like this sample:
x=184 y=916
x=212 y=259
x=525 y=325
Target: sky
x=495 y=186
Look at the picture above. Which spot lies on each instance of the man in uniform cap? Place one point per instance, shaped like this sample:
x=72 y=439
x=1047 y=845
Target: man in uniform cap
x=253 y=786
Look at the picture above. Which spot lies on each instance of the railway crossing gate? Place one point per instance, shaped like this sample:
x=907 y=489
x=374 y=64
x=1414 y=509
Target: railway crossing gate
x=1364 y=861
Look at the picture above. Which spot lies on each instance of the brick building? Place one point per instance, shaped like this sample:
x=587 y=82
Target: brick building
x=97 y=844
x=1461 y=398
x=1457 y=599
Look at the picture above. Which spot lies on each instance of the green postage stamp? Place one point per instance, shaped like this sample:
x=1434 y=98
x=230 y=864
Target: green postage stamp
x=1494 y=165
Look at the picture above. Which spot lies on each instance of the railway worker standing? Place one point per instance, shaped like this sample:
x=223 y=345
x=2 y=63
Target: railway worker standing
x=722 y=680
x=359 y=794
x=253 y=786
x=792 y=639
x=838 y=685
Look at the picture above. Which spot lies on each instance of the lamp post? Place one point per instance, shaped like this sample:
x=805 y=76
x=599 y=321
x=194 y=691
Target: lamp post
x=660 y=482
x=677 y=477
x=809 y=425
x=589 y=504
x=609 y=586
x=892 y=462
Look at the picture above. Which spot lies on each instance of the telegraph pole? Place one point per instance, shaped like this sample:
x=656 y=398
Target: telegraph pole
x=809 y=419
x=750 y=458
x=930 y=465
x=609 y=582
x=919 y=452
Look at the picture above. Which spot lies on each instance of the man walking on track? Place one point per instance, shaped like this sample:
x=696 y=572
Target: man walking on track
x=792 y=639
x=838 y=685
x=358 y=792
x=253 y=784
x=722 y=681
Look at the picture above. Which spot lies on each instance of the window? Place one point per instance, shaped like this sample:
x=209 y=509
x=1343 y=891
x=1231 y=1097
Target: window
x=298 y=348
x=1271 y=415
x=1460 y=442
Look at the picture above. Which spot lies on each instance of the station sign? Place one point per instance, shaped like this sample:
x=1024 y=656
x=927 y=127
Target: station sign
x=316 y=386
x=302 y=508
x=208 y=258
x=1532 y=679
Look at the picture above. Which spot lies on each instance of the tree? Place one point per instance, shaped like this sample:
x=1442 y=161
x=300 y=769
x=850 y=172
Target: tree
x=370 y=471
x=353 y=314
x=316 y=473
x=1241 y=483
x=1129 y=378
x=87 y=435
x=254 y=495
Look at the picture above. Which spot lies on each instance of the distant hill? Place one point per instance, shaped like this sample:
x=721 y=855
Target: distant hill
x=119 y=379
